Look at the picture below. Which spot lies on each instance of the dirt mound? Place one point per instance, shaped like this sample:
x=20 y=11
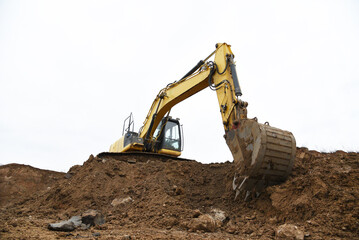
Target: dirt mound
x=323 y=191
x=19 y=181
x=164 y=198
x=170 y=188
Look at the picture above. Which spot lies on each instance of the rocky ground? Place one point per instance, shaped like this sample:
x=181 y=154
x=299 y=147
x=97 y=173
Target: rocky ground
x=151 y=198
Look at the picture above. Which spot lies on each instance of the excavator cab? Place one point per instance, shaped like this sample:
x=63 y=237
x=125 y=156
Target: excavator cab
x=168 y=137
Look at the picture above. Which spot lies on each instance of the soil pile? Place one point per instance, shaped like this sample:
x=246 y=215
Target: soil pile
x=151 y=198
x=18 y=182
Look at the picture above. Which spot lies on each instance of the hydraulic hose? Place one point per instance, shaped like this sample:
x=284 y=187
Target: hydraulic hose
x=199 y=64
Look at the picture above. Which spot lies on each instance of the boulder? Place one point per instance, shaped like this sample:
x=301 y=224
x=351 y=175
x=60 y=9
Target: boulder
x=204 y=222
x=66 y=226
x=92 y=218
x=218 y=215
x=86 y=220
x=121 y=201
x=289 y=231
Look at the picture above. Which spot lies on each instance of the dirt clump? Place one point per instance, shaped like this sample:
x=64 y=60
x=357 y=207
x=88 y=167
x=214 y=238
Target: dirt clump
x=150 y=198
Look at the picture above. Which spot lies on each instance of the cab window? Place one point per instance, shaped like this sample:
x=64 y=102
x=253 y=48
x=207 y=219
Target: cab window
x=172 y=138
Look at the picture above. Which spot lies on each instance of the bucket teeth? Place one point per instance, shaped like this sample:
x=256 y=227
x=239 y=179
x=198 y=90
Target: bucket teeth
x=238 y=188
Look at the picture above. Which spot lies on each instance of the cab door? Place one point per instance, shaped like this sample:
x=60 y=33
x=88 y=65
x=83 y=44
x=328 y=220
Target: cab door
x=169 y=140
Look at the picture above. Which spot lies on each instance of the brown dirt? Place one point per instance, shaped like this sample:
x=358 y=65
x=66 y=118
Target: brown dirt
x=20 y=181
x=320 y=197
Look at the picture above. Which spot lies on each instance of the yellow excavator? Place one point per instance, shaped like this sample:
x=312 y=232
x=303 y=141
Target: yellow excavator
x=263 y=155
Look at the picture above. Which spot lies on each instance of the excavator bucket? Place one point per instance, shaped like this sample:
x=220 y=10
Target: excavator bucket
x=263 y=155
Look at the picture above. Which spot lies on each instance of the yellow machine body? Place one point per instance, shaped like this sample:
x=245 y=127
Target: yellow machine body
x=263 y=155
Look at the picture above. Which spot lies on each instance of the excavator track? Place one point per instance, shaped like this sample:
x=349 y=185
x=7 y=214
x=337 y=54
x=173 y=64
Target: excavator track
x=138 y=156
x=263 y=155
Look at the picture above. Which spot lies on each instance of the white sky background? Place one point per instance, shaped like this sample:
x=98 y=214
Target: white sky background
x=72 y=71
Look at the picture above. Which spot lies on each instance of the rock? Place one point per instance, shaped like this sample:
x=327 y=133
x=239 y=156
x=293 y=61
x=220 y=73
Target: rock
x=85 y=226
x=96 y=234
x=218 y=215
x=289 y=231
x=76 y=220
x=92 y=217
x=88 y=219
x=197 y=213
x=121 y=201
x=65 y=226
x=204 y=222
